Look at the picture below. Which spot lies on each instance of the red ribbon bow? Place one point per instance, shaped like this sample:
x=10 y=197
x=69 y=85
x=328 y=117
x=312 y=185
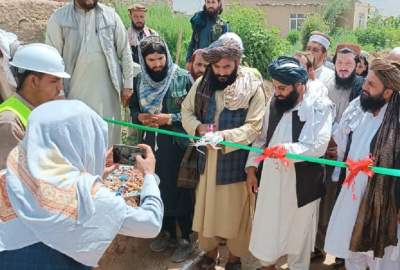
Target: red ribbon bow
x=355 y=167
x=278 y=152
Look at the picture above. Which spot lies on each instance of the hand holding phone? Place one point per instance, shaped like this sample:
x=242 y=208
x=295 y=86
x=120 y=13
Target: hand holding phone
x=126 y=154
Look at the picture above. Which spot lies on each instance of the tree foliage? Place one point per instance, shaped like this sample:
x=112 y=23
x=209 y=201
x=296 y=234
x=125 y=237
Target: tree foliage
x=310 y=24
x=293 y=37
x=261 y=44
x=333 y=11
x=380 y=33
x=173 y=27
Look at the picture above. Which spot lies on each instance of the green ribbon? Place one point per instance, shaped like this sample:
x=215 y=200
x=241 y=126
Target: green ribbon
x=334 y=163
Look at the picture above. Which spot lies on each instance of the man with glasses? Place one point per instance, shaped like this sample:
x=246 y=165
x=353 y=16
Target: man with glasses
x=318 y=45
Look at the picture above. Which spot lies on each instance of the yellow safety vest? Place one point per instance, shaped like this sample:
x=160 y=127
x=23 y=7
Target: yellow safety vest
x=18 y=107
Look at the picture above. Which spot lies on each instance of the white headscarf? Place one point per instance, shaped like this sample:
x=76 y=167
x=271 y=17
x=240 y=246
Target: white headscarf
x=52 y=182
x=8 y=43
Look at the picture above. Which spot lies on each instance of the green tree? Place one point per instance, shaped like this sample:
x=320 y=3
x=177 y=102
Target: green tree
x=381 y=33
x=261 y=44
x=293 y=37
x=173 y=27
x=333 y=10
x=310 y=24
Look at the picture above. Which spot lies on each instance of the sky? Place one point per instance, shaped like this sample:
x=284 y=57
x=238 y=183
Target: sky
x=386 y=7
x=189 y=6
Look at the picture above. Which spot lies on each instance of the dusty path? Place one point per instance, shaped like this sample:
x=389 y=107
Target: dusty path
x=134 y=254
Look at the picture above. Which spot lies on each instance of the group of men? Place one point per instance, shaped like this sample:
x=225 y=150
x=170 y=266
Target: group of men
x=261 y=204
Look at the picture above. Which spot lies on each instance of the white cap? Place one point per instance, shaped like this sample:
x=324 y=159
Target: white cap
x=321 y=40
x=40 y=58
x=234 y=37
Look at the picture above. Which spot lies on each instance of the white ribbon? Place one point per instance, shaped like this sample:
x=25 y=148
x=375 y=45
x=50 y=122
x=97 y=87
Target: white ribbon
x=210 y=138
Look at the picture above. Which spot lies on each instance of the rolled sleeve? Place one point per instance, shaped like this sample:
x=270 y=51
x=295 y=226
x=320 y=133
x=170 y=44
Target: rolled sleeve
x=189 y=119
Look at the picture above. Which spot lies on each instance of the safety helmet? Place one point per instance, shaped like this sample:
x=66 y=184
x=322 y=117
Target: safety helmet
x=40 y=58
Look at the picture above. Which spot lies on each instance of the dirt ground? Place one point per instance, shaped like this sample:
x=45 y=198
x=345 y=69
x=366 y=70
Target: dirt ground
x=134 y=254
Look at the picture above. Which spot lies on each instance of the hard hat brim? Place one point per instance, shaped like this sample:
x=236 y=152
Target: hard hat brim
x=63 y=75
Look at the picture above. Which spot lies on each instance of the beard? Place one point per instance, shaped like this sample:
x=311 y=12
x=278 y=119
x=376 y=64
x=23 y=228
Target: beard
x=371 y=103
x=195 y=75
x=345 y=83
x=212 y=13
x=221 y=82
x=138 y=27
x=158 y=75
x=287 y=103
x=87 y=4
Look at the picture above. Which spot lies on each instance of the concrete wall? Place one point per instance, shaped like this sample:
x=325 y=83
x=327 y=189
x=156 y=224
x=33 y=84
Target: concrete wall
x=26 y=18
x=361 y=9
x=277 y=13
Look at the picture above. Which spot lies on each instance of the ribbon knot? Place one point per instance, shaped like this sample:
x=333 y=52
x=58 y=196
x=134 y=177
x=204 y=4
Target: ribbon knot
x=354 y=168
x=277 y=152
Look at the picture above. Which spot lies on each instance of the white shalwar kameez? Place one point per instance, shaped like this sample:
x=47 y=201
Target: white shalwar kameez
x=325 y=75
x=280 y=227
x=364 y=127
x=91 y=80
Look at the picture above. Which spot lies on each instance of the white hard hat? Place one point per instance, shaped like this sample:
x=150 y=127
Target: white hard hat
x=40 y=58
x=233 y=36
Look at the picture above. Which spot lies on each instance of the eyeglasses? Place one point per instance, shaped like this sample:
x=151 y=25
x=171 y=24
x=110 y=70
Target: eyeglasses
x=313 y=49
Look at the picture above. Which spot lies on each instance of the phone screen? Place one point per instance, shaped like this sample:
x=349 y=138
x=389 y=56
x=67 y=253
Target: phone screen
x=126 y=154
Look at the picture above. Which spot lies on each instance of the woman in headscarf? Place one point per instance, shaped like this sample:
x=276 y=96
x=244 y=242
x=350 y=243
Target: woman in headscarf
x=160 y=89
x=55 y=213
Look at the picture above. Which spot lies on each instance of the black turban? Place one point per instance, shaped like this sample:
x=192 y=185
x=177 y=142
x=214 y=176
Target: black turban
x=288 y=70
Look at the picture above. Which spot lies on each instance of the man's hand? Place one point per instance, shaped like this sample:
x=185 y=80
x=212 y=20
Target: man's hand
x=331 y=152
x=148 y=119
x=147 y=164
x=126 y=96
x=251 y=181
x=110 y=165
x=202 y=129
x=163 y=119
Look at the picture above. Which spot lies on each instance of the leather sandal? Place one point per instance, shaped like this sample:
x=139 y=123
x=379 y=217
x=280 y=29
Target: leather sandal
x=205 y=263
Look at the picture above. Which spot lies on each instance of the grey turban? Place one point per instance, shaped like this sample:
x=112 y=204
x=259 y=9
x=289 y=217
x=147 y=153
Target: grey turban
x=222 y=48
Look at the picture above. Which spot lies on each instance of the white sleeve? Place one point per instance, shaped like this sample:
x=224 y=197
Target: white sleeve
x=315 y=135
x=145 y=221
x=260 y=141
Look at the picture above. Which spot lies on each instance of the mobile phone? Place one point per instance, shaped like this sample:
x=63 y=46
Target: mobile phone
x=126 y=154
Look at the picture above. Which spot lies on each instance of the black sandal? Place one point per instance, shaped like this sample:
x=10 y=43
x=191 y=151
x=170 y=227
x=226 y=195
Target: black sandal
x=205 y=263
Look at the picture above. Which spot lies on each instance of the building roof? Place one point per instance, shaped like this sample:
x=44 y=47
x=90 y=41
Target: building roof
x=289 y=2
